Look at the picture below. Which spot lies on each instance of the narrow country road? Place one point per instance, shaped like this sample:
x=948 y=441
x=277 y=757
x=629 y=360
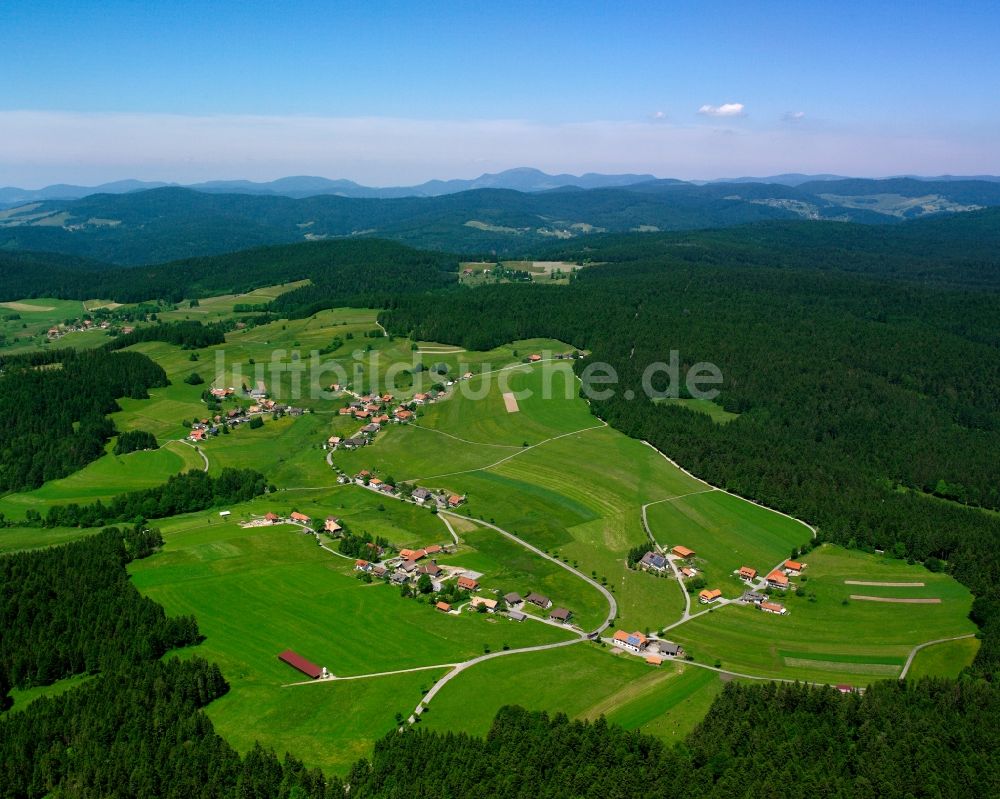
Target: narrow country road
x=204 y=457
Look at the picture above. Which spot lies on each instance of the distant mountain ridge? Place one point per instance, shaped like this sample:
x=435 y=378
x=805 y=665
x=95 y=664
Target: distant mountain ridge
x=168 y=223
x=525 y=179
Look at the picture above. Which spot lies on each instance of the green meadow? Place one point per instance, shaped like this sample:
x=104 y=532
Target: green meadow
x=726 y=532
x=24 y=324
x=259 y=591
x=829 y=637
x=583 y=681
x=717 y=413
x=946 y=659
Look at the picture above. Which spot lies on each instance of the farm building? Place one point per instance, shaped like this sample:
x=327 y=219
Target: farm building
x=431 y=569
x=408 y=566
x=362 y=565
x=709 y=595
x=633 y=642
x=420 y=495
x=454 y=500
x=773 y=607
x=467 y=583
x=748 y=573
x=332 y=525
x=300 y=517
x=687 y=571
x=793 y=567
x=489 y=604
x=777 y=580
x=670 y=649
x=561 y=615
x=272 y=518
x=411 y=554
x=444 y=607
x=682 y=552
x=296 y=661
x=433 y=549
x=516 y=615
x=513 y=599
x=753 y=596
x=540 y=600
x=654 y=660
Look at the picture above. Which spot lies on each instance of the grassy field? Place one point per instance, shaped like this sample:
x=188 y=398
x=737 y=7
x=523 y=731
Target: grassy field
x=835 y=639
x=944 y=660
x=726 y=533
x=106 y=477
x=214 y=309
x=24 y=325
x=582 y=681
x=258 y=591
x=718 y=414
x=506 y=567
x=24 y=697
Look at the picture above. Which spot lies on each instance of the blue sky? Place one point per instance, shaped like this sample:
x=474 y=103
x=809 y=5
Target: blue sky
x=396 y=92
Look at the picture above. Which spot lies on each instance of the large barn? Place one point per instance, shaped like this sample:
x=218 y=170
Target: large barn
x=298 y=662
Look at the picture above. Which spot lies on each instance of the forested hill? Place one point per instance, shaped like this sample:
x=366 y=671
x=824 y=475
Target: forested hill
x=868 y=408
x=358 y=270
x=165 y=224
x=952 y=250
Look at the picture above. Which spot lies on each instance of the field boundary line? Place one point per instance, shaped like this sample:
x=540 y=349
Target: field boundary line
x=676 y=465
x=521 y=451
x=334 y=678
x=918 y=647
x=464 y=440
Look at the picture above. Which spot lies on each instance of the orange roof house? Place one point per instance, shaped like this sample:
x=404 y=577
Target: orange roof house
x=535 y=358
x=412 y=554
x=688 y=572
x=404 y=415
x=454 y=500
x=433 y=549
x=467 y=583
x=654 y=660
x=793 y=565
x=772 y=607
x=777 y=580
x=682 y=552
x=747 y=573
x=331 y=525
x=632 y=641
x=300 y=517
x=444 y=607
x=707 y=595
x=271 y=517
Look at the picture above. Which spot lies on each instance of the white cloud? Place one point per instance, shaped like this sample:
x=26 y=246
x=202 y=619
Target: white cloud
x=38 y=148
x=794 y=116
x=724 y=110
x=658 y=116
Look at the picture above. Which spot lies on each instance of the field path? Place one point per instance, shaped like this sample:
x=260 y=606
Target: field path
x=334 y=678
x=918 y=647
x=521 y=451
x=612 y=602
x=451 y=529
x=464 y=440
x=199 y=450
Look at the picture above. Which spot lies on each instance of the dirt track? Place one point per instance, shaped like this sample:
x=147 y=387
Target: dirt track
x=900 y=600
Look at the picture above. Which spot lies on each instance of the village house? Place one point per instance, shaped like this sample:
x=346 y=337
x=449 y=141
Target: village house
x=516 y=615
x=489 y=604
x=682 y=552
x=777 y=580
x=300 y=517
x=403 y=415
x=362 y=565
x=653 y=560
x=362 y=414
x=747 y=573
x=773 y=607
x=197 y=434
x=687 y=571
x=333 y=442
x=332 y=525
x=468 y=583
x=346 y=411
x=430 y=569
x=444 y=607
x=411 y=554
x=793 y=568
x=560 y=615
x=379 y=570
x=408 y=567
x=420 y=495
x=454 y=500
x=399 y=578
x=271 y=518
x=709 y=595
x=353 y=443
x=370 y=429
x=433 y=549
x=513 y=599
x=633 y=642
x=754 y=597
x=535 y=358
x=420 y=399
x=540 y=600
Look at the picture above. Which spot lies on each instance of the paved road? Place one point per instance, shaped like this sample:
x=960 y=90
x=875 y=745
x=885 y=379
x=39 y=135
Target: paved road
x=204 y=457
x=612 y=602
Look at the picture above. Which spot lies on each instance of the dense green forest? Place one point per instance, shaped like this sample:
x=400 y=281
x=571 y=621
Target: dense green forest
x=362 y=271
x=867 y=408
x=896 y=740
x=55 y=404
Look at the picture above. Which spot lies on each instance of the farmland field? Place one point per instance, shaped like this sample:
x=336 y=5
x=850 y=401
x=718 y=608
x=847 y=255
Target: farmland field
x=259 y=591
x=582 y=681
